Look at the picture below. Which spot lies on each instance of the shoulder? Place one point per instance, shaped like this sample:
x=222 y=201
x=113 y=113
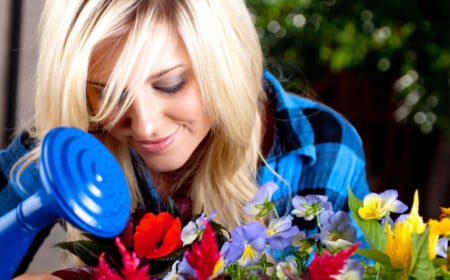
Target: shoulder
x=327 y=125
x=20 y=146
x=308 y=126
x=305 y=122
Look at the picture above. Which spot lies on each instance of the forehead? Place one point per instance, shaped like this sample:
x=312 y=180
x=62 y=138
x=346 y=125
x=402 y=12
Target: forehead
x=145 y=55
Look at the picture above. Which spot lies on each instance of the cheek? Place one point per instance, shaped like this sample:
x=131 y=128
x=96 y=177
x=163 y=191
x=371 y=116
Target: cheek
x=206 y=122
x=116 y=134
x=195 y=107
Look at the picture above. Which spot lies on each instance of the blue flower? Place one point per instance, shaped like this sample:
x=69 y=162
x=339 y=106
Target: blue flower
x=337 y=231
x=353 y=269
x=246 y=245
x=261 y=204
x=309 y=206
x=280 y=232
x=442 y=247
x=179 y=269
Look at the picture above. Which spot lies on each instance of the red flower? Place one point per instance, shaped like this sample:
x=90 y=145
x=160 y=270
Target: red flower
x=203 y=255
x=130 y=270
x=104 y=272
x=157 y=235
x=326 y=266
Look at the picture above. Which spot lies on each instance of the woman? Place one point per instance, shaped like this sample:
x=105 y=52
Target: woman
x=177 y=91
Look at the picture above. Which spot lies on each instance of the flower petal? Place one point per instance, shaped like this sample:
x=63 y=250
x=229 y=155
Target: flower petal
x=157 y=235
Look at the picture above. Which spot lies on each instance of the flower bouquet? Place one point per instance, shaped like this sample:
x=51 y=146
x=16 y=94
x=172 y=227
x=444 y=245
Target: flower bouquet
x=168 y=245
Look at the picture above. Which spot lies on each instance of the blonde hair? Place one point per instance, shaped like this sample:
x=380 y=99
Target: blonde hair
x=227 y=62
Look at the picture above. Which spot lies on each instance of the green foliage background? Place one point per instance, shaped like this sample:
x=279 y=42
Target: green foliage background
x=404 y=43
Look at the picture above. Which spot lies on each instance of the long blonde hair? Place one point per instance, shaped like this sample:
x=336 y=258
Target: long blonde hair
x=227 y=62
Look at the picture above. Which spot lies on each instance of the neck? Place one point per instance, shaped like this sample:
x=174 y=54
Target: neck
x=172 y=183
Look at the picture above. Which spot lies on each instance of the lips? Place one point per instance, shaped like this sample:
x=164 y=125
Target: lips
x=158 y=145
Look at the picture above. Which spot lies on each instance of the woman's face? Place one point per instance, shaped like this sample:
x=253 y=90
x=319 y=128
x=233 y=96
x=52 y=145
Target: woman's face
x=166 y=121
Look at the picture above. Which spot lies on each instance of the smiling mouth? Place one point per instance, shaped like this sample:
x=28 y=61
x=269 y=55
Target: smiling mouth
x=159 y=145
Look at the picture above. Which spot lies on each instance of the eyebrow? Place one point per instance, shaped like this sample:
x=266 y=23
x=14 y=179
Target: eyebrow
x=163 y=72
x=153 y=76
x=96 y=83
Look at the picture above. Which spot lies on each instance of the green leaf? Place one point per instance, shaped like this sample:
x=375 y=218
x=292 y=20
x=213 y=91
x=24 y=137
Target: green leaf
x=177 y=255
x=386 y=270
x=444 y=275
x=439 y=272
x=393 y=275
x=88 y=251
x=372 y=229
x=375 y=255
x=421 y=264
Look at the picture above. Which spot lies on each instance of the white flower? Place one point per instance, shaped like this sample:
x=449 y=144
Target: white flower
x=194 y=229
x=172 y=275
x=289 y=265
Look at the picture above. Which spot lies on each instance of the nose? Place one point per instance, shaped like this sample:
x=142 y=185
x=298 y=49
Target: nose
x=144 y=115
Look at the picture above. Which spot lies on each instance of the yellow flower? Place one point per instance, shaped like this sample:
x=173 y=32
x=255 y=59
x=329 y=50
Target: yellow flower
x=218 y=268
x=399 y=242
x=445 y=213
x=376 y=206
x=437 y=228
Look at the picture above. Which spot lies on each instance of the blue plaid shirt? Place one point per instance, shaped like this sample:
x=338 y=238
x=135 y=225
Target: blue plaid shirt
x=316 y=151
x=10 y=193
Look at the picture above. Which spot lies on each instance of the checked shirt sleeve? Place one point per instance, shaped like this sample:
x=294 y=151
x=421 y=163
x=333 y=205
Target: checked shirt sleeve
x=10 y=196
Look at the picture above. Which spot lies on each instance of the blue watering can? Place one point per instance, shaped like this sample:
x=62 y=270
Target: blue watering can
x=82 y=183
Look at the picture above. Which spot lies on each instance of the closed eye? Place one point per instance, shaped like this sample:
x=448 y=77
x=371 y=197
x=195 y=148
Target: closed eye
x=171 y=89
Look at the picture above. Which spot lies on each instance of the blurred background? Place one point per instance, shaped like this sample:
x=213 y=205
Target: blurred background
x=385 y=65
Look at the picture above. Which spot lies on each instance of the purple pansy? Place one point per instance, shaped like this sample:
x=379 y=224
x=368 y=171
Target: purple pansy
x=337 y=231
x=280 y=232
x=353 y=269
x=246 y=245
x=442 y=247
x=261 y=203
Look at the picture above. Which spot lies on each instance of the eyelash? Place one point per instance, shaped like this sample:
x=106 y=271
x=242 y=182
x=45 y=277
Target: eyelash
x=168 y=90
x=173 y=89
